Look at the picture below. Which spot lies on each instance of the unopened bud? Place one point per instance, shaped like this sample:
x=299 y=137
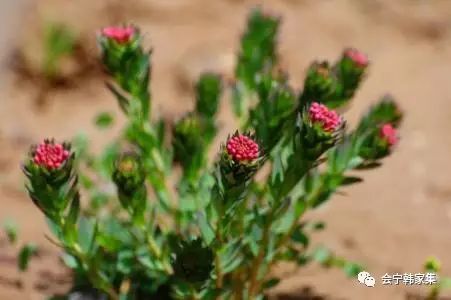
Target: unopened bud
x=357 y=57
x=119 y=34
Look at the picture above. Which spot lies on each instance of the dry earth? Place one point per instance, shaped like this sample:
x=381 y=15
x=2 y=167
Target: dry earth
x=400 y=216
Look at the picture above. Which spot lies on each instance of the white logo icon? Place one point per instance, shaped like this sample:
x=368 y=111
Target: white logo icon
x=366 y=279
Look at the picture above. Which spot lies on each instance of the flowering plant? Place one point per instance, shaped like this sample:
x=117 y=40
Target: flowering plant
x=217 y=231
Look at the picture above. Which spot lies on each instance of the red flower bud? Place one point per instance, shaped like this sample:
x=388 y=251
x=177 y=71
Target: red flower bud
x=119 y=34
x=328 y=119
x=359 y=58
x=389 y=134
x=50 y=155
x=242 y=148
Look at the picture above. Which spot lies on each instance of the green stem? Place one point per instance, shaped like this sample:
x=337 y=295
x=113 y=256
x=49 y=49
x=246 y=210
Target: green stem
x=310 y=200
x=219 y=277
x=153 y=153
x=219 y=237
x=254 y=283
x=152 y=244
x=92 y=273
x=434 y=293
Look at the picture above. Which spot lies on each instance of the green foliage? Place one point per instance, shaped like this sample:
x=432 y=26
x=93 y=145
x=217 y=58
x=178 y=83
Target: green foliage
x=194 y=133
x=25 y=254
x=59 y=42
x=276 y=104
x=104 y=120
x=208 y=91
x=54 y=191
x=193 y=262
x=215 y=231
x=257 y=54
x=433 y=265
x=333 y=85
x=326 y=258
x=258 y=47
x=11 y=230
x=129 y=177
x=385 y=111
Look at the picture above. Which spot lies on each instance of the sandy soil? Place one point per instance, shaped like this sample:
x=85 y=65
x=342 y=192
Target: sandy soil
x=400 y=216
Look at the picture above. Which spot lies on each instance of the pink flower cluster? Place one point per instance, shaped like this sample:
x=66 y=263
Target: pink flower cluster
x=320 y=114
x=119 y=34
x=359 y=58
x=242 y=148
x=50 y=155
x=389 y=134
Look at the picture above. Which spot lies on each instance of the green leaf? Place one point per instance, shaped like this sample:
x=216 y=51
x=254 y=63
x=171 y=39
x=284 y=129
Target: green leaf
x=59 y=41
x=87 y=229
x=303 y=260
x=322 y=255
x=11 y=229
x=258 y=47
x=278 y=170
x=104 y=120
x=271 y=283
x=208 y=92
x=98 y=200
x=107 y=159
x=54 y=228
x=300 y=237
x=385 y=111
x=253 y=239
x=74 y=210
x=283 y=224
x=123 y=101
x=85 y=181
x=160 y=129
x=352 y=269
x=25 y=254
x=282 y=208
x=316 y=226
x=231 y=256
x=239 y=99
x=188 y=203
x=70 y=261
x=190 y=145
x=355 y=162
x=206 y=230
x=124 y=297
x=432 y=264
x=369 y=165
x=183 y=290
x=319 y=85
x=273 y=112
x=113 y=235
x=126 y=259
x=351 y=180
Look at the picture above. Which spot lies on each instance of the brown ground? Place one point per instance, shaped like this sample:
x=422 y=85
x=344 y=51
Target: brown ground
x=400 y=216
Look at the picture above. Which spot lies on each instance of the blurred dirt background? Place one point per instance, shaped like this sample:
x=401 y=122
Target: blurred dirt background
x=391 y=223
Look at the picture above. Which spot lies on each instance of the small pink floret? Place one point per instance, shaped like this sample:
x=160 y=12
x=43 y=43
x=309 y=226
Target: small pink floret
x=121 y=35
x=50 y=155
x=330 y=120
x=242 y=148
x=389 y=134
x=359 y=58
